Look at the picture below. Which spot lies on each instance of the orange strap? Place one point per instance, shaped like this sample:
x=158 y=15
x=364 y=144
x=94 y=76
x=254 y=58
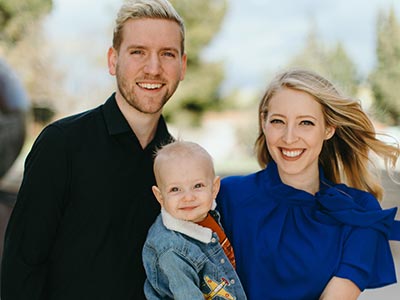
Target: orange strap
x=210 y=222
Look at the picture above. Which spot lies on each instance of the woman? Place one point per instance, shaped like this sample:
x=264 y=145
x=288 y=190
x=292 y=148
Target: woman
x=309 y=225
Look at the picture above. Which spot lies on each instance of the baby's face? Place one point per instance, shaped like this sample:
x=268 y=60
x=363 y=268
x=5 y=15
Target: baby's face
x=187 y=188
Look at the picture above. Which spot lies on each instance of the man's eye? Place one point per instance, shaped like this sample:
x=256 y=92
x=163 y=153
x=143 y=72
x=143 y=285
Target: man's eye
x=136 y=52
x=169 y=54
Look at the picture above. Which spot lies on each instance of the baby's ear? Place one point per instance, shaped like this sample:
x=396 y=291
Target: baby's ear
x=216 y=186
x=157 y=194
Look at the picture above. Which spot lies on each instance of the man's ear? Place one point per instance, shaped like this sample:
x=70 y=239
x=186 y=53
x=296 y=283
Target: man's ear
x=157 y=194
x=184 y=66
x=112 y=56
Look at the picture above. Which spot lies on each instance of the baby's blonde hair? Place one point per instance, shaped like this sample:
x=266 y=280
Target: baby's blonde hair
x=182 y=149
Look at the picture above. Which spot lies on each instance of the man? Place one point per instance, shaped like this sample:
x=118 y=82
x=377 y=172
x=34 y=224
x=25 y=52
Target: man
x=85 y=203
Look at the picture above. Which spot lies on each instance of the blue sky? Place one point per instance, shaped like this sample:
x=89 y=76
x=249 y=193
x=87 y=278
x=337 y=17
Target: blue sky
x=258 y=37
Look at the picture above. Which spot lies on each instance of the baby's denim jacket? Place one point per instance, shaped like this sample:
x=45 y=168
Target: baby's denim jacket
x=184 y=260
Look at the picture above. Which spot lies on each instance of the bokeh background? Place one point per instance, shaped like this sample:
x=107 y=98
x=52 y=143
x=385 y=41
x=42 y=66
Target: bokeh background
x=56 y=52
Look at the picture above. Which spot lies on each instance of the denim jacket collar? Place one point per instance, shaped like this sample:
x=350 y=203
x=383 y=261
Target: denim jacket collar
x=193 y=230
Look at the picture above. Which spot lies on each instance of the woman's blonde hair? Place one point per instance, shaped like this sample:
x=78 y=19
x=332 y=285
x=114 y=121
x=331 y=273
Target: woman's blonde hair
x=345 y=158
x=151 y=9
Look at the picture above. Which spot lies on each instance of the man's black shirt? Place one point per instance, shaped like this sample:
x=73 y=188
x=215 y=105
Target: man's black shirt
x=83 y=211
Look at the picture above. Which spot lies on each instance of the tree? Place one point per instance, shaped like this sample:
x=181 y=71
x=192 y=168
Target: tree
x=16 y=16
x=385 y=77
x=333 y=63
x=34 y=60
x=313 y=55
x=342 y=69
x=23 y=44
x=199 y=91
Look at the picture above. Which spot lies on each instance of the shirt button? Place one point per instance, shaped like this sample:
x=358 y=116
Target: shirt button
x=232 y=281
x=213 y=240
x=222 y=261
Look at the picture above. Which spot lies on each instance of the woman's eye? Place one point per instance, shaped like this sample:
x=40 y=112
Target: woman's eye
x=307 y=122
x=276 y=121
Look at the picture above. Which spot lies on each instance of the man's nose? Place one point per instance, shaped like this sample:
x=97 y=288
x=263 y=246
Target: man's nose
x=153 y=65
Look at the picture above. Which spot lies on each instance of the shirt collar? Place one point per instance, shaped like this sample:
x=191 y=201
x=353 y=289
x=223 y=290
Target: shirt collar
x=115 y=120
x=191 y=229
x=117 y=124
x=274 y=178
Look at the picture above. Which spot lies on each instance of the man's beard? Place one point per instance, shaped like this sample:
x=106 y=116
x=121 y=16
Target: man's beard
x=127 y=90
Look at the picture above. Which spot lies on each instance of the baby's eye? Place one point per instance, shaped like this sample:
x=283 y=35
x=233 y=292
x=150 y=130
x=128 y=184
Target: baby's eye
x=198 y=185
x=174 y=189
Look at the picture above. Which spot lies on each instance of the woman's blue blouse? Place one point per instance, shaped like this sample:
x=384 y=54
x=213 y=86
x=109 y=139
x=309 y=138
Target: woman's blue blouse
x=289 y=243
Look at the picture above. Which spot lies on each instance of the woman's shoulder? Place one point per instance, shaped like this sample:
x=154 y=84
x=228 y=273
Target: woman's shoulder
x=347 y=205
x=362 y=198
x=241 y=181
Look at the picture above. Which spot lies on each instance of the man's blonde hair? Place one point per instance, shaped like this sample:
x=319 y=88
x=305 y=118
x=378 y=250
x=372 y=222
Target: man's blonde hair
x=141 y=9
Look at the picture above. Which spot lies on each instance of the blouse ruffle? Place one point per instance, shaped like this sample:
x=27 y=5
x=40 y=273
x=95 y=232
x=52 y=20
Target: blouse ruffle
x=337 y=207
x=339 y=204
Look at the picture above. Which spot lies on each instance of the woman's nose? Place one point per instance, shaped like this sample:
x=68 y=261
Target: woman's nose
x=290 y=135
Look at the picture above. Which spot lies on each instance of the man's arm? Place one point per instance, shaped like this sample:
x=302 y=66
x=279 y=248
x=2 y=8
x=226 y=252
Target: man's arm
x=35 y=218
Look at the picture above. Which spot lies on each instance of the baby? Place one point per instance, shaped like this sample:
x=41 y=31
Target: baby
x=186 y=254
